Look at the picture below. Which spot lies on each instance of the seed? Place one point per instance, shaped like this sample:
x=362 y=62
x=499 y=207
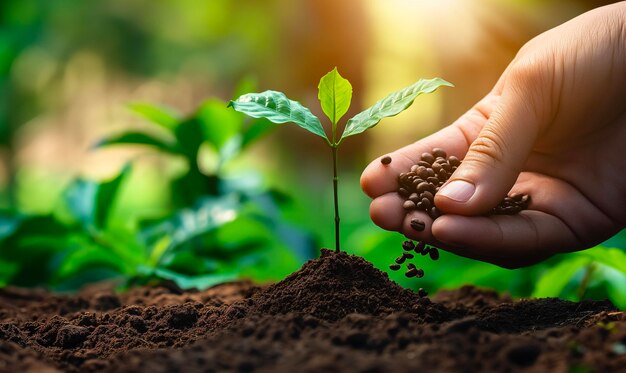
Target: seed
x=394 y=267
x=434 y=253
x=423 y=186
x=454 y=161
x=423 y=164
x=428 y=195
x=408 y=245
x=514 y=197
x=417 y=224
x=436 y=167
x=419 y=206
x=400 y=260
x=420 y=273
x=430 y=172
x=425 y=203
x=419 y=248
x=411 y=273
x=422 y=172
x=408 y=205
x=438 y=152
x=446 y=167
x=407 y=255
x=410 y=266
x=433 y=180
x=403 y=192
x=443 y=175
x=425 y=250
x=385 y=160
x=427 y=157
x=422 y=293
x=434 y=213
x=414 y=197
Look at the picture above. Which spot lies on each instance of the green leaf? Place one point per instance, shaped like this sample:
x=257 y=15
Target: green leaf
x=391 y=105
x=218 y=123
x=197 y=282
x=335 y=94
x=91 y=202
x=164 y=117
x=610 y=257
x=138 y=138
x=554 y=279
x=276 y=107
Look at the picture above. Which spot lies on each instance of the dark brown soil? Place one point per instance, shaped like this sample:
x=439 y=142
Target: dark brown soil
x=337 y=314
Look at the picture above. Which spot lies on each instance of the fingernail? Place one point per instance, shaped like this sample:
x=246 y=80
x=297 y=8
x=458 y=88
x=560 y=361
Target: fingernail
x=458 y=190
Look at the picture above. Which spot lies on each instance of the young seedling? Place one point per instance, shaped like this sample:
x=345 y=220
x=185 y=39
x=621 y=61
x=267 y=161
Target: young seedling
x=335 y=94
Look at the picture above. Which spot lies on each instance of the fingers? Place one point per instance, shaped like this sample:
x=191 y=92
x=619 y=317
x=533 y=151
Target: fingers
x=509 y=241
x=497 y=155
x=378 y=179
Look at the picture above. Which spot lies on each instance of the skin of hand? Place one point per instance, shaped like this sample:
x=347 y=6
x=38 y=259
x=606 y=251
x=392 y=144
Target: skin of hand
x=553 y=127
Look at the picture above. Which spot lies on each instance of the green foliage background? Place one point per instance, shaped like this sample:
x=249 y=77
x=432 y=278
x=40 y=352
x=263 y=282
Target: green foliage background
x=233 y=206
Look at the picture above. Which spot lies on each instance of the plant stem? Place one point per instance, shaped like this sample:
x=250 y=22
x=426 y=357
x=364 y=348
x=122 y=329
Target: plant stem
x=335 y=182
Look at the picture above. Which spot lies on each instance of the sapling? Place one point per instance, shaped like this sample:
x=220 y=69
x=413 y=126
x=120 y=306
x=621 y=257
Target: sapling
x=335 y=95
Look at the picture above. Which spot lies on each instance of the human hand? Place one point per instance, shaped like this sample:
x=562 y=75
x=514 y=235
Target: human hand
x=553 y=127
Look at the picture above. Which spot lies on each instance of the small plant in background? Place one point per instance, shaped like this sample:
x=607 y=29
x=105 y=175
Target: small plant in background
x=335 y=95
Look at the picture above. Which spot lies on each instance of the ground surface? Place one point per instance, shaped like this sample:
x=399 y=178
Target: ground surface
x=338 y=313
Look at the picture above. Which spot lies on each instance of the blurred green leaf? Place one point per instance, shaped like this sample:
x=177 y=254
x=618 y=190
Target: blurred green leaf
x=138 y=138
x=610 y=257
x=7 y=271
x=162 y=116
x=391 y=105
x=88 y=257
x=554 y=279
x=245 y=85
x=91 y=202
x=197 y=282
x=335 y=94
x=219 y=123
x=276 y=107
x=257 y=129
x=190 y=135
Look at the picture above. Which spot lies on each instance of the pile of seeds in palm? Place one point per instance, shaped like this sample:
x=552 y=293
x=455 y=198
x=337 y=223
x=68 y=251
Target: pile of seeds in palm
x=419 y=185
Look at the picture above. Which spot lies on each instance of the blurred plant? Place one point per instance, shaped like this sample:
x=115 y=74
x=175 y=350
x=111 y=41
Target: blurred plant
x=335 y=94
x=220 y=226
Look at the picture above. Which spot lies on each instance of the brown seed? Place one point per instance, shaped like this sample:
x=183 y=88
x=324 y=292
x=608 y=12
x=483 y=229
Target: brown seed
x=438 y=152
x=427 y=157
x=414 y=168
x=514 y=196
x=431 y=173
x=434 y=213
x=420 y=273
x=385 y=160
x=411 y=266
x=407 y=255
x=434 y=253
x=394 y=267
x=423 y=187
x=422 y=293
x=419 y=248
x=400 y=260
x=422 y=172
x=423 y=164
x=414 y=197
x=411 y=273
x=408 y=205
x=403 y=192
x=408 y=245
x=436 y=167
x=433 y=180
x=417 y=224
x=443 y=175
x=446 y=167
x=425 y=203
x=428 y=195
x=419 y=206
x=454 y=161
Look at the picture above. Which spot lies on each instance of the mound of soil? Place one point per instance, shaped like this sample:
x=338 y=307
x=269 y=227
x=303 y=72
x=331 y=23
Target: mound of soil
x=338 y=313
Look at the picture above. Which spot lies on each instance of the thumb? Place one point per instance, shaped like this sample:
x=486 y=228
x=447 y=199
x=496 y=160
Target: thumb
x=496 y=157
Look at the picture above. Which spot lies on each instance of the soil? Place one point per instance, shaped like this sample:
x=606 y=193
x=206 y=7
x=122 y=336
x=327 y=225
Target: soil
x=337 y=314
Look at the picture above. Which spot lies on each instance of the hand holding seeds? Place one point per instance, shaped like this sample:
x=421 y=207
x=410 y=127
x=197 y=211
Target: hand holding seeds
x=553 y=127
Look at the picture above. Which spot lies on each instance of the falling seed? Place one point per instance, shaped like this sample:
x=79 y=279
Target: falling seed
x=434 y=253
x=411 y=273
x=419 y=248
x=420 y=273
x=411 y=266
x=394 y=267
x=422 y=293
x=408 y=245
x=400 y=260
x=385 y=160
